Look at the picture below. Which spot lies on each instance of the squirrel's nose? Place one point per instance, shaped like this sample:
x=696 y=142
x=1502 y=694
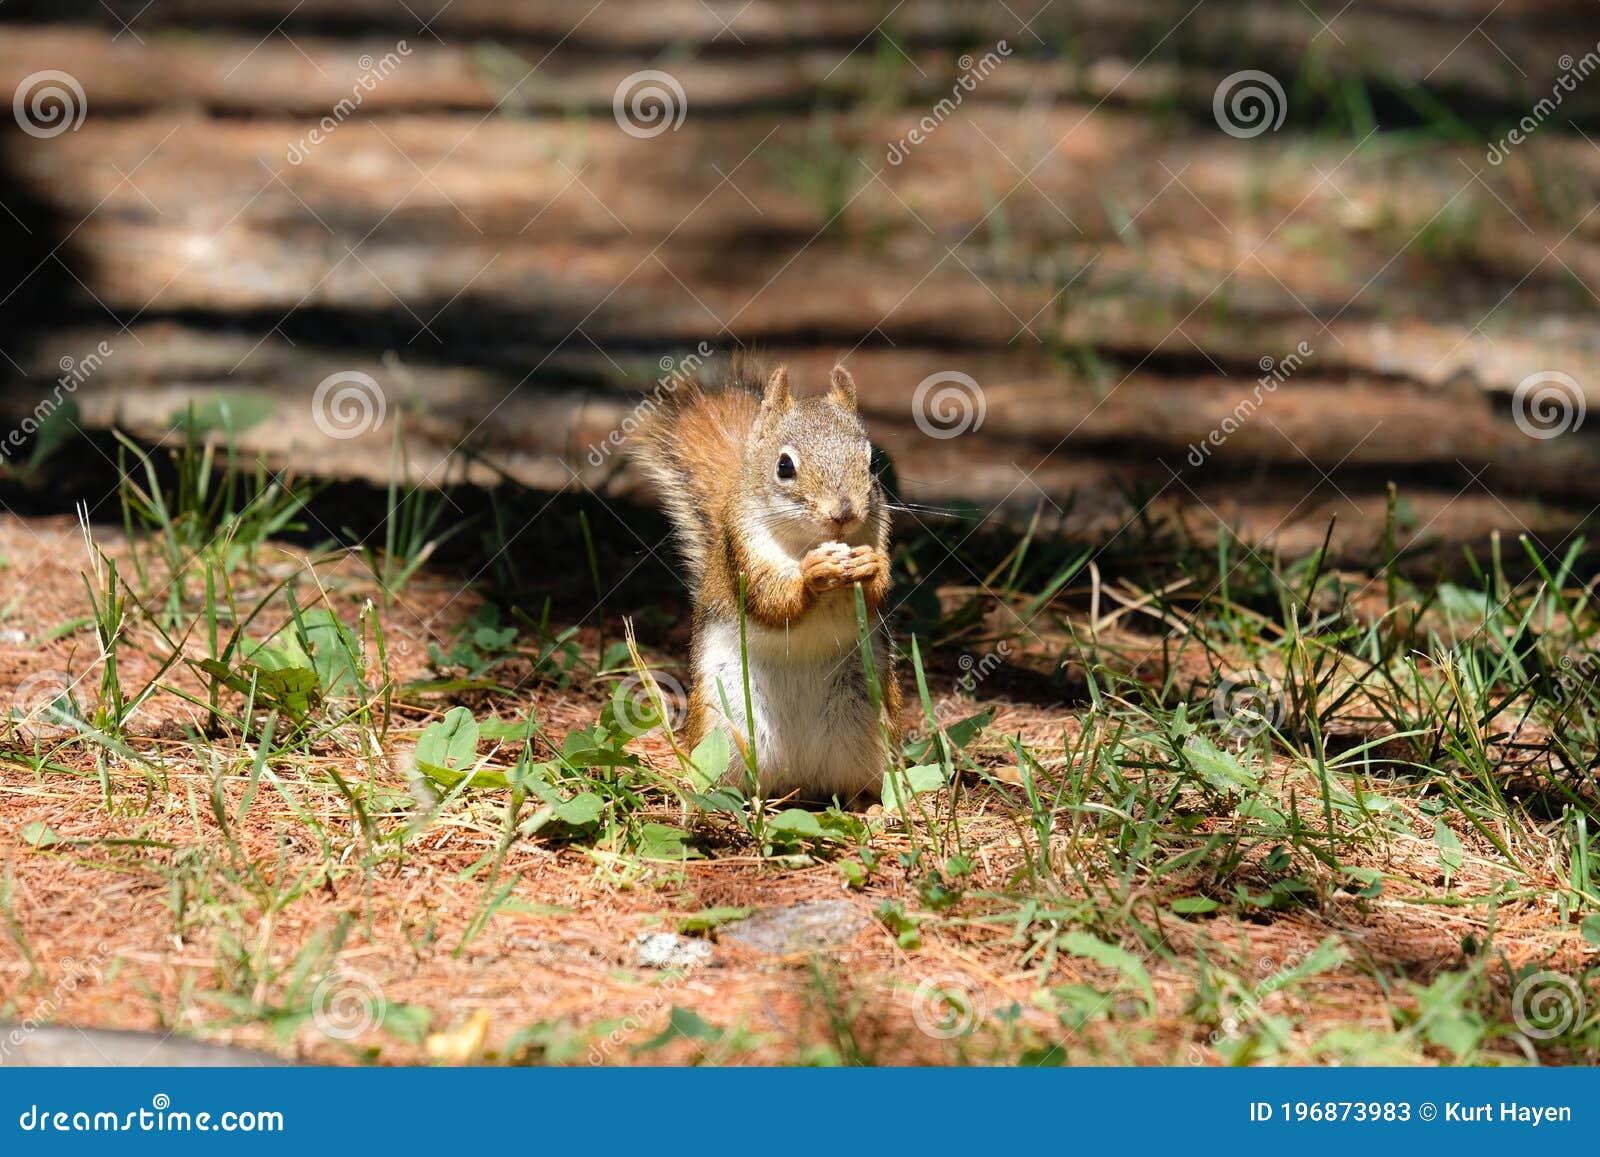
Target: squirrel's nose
x=844 y=514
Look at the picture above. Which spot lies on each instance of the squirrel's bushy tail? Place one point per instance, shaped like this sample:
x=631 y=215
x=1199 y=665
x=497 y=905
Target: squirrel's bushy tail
x=690 y=444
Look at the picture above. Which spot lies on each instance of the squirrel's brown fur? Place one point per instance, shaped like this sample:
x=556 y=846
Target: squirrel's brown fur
x=780 y=492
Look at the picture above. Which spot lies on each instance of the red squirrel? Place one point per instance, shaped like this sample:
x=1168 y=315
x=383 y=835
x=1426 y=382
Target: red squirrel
x=781 y=492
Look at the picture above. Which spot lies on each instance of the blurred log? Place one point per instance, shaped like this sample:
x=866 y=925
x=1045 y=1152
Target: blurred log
x=490 y=233
x=1047 y=436
x=474 y=53
x=1067 y=173
x=510 y=271
x=627 y=294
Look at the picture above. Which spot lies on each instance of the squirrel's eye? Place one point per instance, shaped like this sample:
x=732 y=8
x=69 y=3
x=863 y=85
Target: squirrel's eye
x=786 y=466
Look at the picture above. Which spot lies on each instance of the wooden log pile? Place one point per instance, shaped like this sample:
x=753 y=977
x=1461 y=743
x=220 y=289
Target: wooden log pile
x=1259 y=328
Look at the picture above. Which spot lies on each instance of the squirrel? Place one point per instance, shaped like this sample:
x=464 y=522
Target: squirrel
x=780 y=492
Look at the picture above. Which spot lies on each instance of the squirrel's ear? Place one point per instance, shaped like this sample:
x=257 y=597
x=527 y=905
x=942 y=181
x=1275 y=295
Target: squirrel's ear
x=776 y=396
x=844 y=388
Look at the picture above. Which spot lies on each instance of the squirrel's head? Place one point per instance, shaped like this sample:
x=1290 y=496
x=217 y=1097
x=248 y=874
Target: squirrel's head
x=808 y=467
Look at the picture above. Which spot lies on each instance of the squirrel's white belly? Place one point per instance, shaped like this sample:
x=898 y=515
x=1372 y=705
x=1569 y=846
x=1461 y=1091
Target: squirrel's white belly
x=816 y=730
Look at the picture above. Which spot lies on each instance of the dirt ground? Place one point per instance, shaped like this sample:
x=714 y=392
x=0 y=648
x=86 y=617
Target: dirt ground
x=139 y=910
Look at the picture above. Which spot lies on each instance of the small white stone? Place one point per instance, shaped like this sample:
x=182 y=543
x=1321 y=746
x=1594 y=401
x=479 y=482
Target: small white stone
x=669 y=950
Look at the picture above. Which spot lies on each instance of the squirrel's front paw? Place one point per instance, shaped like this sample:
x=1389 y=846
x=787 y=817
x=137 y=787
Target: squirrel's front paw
x=834 y=565
x=865 y=564
x=827 y=568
